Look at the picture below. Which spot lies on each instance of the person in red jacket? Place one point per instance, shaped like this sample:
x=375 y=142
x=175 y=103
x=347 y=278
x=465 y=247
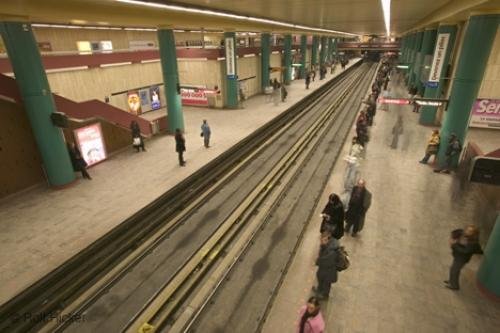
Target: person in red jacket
x=311 y=319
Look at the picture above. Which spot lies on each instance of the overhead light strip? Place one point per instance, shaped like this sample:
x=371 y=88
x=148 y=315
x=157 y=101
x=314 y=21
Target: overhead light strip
x=231 y=16
x=386 y=8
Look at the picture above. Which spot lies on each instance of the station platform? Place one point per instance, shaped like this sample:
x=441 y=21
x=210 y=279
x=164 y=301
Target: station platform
x=401 y=258
x=42 y=228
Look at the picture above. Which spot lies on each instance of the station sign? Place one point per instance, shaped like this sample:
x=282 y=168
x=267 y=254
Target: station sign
x=91 y=144
x=485 y=113
x=230 y=58
x=408 y=101
x=397 y=101
x=438 y=60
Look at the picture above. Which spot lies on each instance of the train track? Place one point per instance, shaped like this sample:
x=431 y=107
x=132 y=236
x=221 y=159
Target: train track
x=76 y=284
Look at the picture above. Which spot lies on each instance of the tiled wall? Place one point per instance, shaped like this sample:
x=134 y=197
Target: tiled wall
x=490 y=88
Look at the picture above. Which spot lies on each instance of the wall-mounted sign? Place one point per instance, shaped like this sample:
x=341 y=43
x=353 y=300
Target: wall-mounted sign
x=438 y=60
x=154 y=94
x=134 y=102
x=141 y=44
x=230 y=58
x=44 y=46
x=195 y=97
x=144 y=95
x=91 y=144
x=485 y=113
x=397 y=101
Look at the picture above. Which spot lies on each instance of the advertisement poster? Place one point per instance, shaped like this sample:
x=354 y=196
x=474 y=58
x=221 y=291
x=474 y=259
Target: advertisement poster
x=230 y=64
x=485 y=113
x=134 y=102
x=438 y=60
x=154 y=94
x=90 y=143
x=144 y=95
x=195 y=97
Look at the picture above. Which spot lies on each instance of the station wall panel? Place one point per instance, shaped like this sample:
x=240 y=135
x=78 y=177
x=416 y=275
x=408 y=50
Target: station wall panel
x=21 y=165
x=275 y=61
x=490 y=87
x=249 y=71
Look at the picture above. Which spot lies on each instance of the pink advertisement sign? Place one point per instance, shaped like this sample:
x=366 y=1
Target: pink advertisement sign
x=91 y=144
x=195 y=97
x=485 y=113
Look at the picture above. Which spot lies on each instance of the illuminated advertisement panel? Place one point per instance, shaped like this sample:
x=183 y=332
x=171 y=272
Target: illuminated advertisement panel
x=90 y=143
x=134 y=102
x=154 y=94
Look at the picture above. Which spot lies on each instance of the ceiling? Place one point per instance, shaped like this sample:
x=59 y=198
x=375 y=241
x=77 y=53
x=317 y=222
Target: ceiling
x=353 y=16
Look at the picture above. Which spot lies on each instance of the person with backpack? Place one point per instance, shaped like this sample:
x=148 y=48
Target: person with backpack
x=333 y=217
x=452 y=150
x=327 y=265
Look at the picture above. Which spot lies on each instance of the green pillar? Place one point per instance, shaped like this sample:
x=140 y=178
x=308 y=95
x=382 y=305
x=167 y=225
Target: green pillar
x=314 y=51
x=265 y=51
x=409 y=48
x=288 y=59
x=445 y=41
x=330 y=50
x=476 y=48
x=322 y=53
x=168 y=57
x=38 y=102
x=415 y=60
x=231 y=70
x=488 y=274
x=303 y=54
x=426 y=50
x=404 y=48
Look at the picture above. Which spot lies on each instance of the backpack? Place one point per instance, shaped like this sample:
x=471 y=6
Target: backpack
x=342 y=259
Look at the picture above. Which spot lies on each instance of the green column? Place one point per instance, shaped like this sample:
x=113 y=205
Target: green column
x=322 y=53
x=426 y=50
x=288 y=59
x=445 y=40
x=415 y=60
x=330 y=50
x=476 y=48
x=231 y=70
x=404 y=46
x=488 y=274
x=265 y=51
x=409 y=48
x=38 y=102
x=168 y=57
x=314 y=51
x=303 y=54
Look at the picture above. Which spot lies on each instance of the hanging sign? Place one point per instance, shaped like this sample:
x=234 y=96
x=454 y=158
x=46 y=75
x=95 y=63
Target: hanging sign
x=485 y=113
x=438 y=60
x=91 y=143
x=230 y=57
x=397 y=101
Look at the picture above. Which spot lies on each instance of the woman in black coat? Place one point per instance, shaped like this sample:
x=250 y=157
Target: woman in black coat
x=137 y=140
x=180 y=146
x=77 y=160
x=333 y=217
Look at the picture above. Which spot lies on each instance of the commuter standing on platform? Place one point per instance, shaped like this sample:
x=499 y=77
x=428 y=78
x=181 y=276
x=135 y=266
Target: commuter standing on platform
x=77 y=160
x=313 y=73
x=333 y=217
x=180 y=146
x=327 y=265
x=308 y=80
x=137 y=140
x=464 y=244
x=432 y=147
x=454 y=148
x=284 y=93
x=358 y=206
x=205 y=133
x=311 y=319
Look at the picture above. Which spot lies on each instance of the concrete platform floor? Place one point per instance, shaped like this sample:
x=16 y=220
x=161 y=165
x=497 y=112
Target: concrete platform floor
x=41 y=228
x=401 y=258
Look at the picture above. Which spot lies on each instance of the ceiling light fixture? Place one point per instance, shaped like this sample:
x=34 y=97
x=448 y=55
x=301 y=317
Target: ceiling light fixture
x=386 y=7
x=231 y=16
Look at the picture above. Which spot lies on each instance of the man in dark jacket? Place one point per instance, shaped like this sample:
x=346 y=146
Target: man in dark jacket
x=358 y=206
x=333 y=217
x=452 y=150
x=327 y=265
x=79 y=164
x=180 y=146
x=463 y=246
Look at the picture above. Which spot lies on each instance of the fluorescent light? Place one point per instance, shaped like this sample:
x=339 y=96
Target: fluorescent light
x=227 y=15
x=386 y=7
x=149 y=61
x=116 y=64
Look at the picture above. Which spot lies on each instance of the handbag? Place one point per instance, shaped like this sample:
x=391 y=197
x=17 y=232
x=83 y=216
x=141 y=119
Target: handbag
x=136 y=141
x=201 y=134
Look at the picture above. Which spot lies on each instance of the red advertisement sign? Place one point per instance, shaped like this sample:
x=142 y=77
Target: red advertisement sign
x=398 y=101
x=195 y=97
x=91 y=144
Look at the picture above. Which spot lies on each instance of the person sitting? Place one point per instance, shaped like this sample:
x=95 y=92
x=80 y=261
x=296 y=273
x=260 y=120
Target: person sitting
x=432 y=147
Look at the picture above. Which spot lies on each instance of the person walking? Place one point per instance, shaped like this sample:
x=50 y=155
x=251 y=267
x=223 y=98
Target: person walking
x=308 y=80
x=205 y=133
x=333 y=217
x=311 y=319
x=180 y=146
x=358 y=206
x=454 y=148
x=432 y=147
x=327 y=265
x=77 y=161
x=137 y=140
x=464 y=244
